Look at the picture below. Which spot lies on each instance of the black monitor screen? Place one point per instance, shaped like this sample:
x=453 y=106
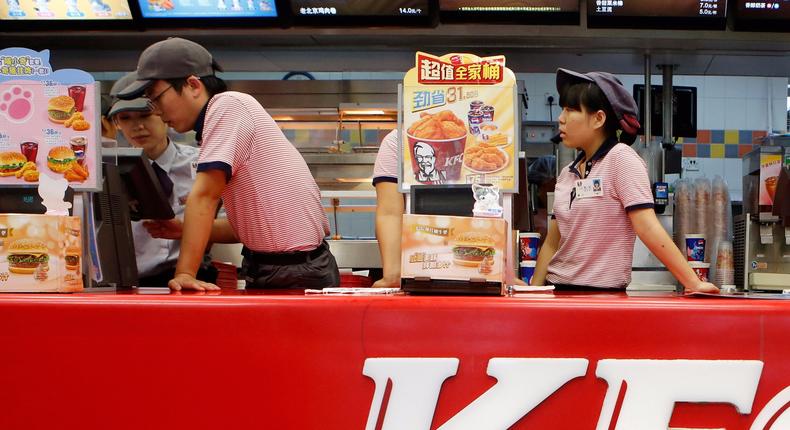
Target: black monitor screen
x=690 y=14
x=684 y=110
x=144 y=192
x=454 y=200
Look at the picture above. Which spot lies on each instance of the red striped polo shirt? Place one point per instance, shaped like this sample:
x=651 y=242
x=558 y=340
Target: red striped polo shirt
x=271 y=198
x=386 y=167
x=596 y=236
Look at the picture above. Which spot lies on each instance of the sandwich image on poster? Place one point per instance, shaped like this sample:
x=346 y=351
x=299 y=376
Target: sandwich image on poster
x=453 y=248
x=40 y=253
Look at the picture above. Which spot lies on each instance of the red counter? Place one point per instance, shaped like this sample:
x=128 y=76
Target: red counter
x=289 y=361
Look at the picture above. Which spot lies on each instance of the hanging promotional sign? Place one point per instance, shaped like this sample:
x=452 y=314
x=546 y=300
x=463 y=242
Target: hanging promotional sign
x=50 y=122
x=459 y=122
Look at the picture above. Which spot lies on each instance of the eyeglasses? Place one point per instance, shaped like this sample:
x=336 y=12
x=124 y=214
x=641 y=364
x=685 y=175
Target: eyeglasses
x=153 y=102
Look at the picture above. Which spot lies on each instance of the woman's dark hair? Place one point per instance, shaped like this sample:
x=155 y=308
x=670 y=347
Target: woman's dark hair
x=213 y=84
x=590 y=96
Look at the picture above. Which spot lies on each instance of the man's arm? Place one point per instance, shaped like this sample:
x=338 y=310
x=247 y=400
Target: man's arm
x=198 y=222
x=389 y=215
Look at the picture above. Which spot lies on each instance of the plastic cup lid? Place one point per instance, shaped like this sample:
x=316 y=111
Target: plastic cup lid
x=529 y=234
x=530 y=263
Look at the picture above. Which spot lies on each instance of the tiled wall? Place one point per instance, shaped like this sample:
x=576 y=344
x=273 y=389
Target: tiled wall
x=721 y=143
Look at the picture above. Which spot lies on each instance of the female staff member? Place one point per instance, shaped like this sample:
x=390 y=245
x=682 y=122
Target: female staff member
x=603 y=199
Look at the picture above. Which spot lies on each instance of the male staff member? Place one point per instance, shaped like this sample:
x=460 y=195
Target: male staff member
x=272 y=201
x=156 y=258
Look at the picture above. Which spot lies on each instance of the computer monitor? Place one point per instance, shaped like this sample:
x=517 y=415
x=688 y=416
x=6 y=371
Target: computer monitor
x=684 y=110
x=28 y=201
x=114 y=231
x=143 y=190
x=453 y=200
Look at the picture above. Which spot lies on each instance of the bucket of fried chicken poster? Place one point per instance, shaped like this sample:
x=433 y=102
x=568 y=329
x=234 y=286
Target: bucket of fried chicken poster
x=458 y=122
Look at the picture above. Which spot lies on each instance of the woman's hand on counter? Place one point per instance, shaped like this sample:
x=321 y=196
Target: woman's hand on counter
x=703 y=287
x=185 y=281
x=164 y=229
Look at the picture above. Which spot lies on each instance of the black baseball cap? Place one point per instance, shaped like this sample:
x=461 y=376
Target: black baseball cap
x=172 y=58
x=139 y=104
x=619 y=98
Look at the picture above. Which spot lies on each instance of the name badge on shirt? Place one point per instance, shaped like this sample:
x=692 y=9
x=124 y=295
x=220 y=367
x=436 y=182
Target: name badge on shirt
x=193 y=169
x=590 y=187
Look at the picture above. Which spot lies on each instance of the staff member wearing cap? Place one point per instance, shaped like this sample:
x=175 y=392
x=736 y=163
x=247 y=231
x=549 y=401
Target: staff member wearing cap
x=603 y=199
x=156 y=258
x=272 y=201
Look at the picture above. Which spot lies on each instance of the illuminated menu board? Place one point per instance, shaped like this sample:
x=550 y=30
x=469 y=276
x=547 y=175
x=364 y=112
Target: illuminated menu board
x=185 y=9
x=513 y=11
x=509 y=5
x=689 y=14
x=364 y=8
x=763 y=16
x=658 y=8
x=67 y=10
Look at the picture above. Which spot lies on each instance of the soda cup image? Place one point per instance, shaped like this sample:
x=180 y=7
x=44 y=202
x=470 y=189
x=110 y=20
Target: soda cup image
x=527 y=270
x=695 y=247
x=528 y=246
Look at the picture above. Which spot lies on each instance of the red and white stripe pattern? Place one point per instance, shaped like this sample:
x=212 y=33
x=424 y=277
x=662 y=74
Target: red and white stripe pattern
x=386 y=167
x=272 y=200
x=597 y=238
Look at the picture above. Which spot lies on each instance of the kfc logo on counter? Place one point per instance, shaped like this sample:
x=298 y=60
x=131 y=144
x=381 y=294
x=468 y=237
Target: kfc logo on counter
x=654 y=386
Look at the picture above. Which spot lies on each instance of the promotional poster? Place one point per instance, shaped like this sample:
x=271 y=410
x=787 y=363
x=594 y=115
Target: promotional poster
x=459 y=122
x=50 y=122
x=454 y=248
x=40 y=253
x=65 y=9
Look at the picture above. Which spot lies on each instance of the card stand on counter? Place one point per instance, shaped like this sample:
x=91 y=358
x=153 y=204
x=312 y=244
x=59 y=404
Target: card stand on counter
x=472 y=287
x=459 y=129
x=51 y=134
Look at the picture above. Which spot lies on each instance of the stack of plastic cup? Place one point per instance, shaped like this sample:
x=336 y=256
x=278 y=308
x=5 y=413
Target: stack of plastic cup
x=724 y=273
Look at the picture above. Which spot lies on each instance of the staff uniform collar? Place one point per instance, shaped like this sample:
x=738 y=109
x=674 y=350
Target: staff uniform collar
x=168 y=156
x=201 y=119
x=607 y=146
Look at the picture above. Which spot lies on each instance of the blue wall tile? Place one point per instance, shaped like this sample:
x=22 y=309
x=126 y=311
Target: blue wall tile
x=703 y=151
x=717 y=136
x=731 y=151
x=744 y=136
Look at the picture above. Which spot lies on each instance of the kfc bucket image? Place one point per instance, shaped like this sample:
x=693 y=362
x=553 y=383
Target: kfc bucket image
x=436 y=144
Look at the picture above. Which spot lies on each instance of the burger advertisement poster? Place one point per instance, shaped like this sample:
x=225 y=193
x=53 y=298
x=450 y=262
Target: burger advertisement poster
x=50 y=122
x=40 y=253
x=458 y=122
x=453 y=248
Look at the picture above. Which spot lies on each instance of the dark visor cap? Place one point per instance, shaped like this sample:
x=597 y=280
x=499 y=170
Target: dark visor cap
x=172 y=58
x=619 y=98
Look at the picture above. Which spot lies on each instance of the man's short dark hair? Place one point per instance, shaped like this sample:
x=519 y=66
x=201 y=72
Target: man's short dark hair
x=213 y=84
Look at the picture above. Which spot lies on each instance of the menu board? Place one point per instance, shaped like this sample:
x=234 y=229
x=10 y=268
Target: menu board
x=51 y=126
x=459 y=122
x=658 y=8
x=509 y=5
x=762 y=16
x=181 y=9
x=660 y=14
x=381 y=8
x=76 y=10
x=764 y=10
